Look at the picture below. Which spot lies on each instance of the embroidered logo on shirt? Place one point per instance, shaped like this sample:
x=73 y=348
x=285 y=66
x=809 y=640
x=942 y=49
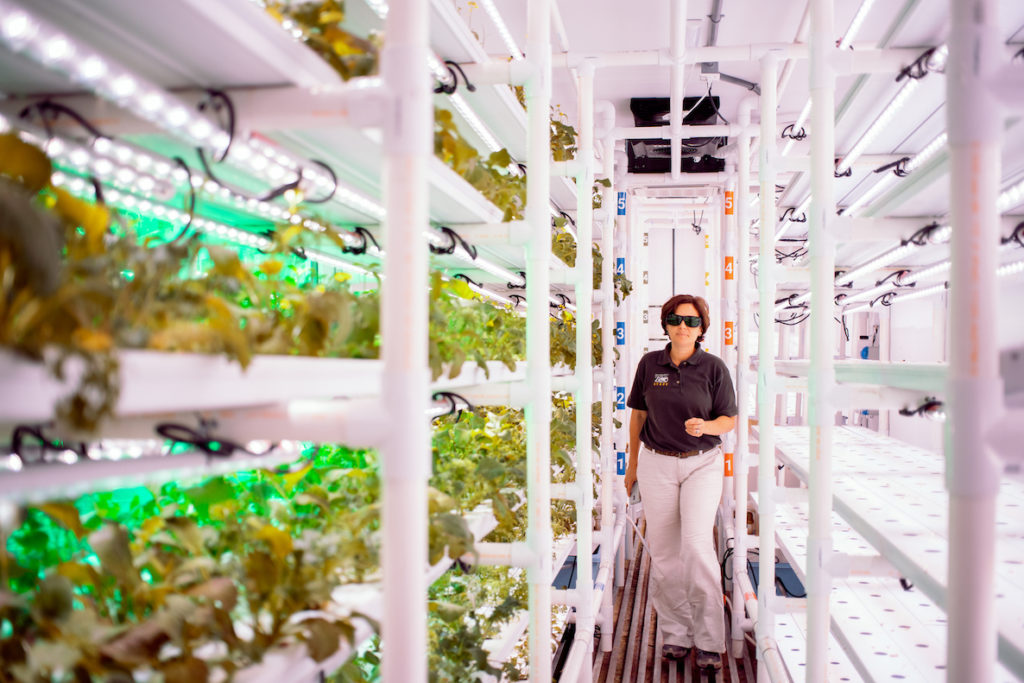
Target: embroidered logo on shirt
x=661 y=379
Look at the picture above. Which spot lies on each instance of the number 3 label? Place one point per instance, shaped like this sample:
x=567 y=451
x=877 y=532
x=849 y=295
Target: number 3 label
x=729 y=326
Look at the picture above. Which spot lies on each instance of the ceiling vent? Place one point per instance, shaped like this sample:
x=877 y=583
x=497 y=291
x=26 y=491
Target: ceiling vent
x=654 y=155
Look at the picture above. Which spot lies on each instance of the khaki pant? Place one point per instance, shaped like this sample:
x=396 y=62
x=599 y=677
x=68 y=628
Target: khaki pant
x=680 y=498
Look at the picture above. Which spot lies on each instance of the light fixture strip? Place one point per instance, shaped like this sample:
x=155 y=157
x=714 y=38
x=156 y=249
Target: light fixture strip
x=1011 y=197
x=894 y=106
x=858 y=21
x=800 y=121
x=503 y=31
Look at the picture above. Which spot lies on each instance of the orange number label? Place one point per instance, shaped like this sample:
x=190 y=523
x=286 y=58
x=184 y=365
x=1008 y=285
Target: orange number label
x=730 y=205
x=729 y=337
x=729 y=265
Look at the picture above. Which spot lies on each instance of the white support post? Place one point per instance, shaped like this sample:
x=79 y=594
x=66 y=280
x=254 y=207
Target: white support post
x=538 y=346
x=743 y=316
x=975 y=390
x=612 y=375
x=584 y=370
x=677 y=31
x=766 y=363
x=822 y=245
x=404 y=305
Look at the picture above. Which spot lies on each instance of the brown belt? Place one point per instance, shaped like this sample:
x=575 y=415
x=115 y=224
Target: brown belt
x=677 y=454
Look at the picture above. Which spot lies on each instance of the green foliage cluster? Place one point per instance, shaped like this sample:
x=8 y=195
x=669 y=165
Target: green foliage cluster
x=490 y=175
x=321 y=20
x=186 y=581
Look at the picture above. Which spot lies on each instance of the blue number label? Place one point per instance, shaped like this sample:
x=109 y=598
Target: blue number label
x=620 y=334
x=620 y=462
x=620 y=266
x=622 y=203
x=620 y=398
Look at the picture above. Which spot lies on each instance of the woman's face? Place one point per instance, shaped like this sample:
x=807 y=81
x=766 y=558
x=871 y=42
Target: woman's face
x=682 y=334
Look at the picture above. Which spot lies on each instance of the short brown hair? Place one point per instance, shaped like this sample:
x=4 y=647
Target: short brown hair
x=673 y=303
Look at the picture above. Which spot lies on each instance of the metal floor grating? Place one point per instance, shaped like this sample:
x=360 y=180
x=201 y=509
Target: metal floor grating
x=636 y=644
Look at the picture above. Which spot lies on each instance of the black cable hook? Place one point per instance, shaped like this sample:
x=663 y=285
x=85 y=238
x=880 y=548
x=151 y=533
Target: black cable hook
x=217 y=101
x=919 y=67
x=788 y=132
x=465 y=278
x=23 y=431
x=521 y=274
x=449 y=89
x=790 y=214
x=452 y=399
x=455 y=239
x=204 y=440
x=361 y=248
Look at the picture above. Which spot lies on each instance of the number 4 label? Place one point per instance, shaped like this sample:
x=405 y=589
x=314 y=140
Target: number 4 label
x=620 y=266
x=729 y=266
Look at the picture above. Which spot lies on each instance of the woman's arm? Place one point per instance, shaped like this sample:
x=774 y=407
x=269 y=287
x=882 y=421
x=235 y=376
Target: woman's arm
x=695 y=426
x=636 y=423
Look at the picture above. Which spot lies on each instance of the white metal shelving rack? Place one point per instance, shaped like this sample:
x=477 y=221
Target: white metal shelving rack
x=303 y=394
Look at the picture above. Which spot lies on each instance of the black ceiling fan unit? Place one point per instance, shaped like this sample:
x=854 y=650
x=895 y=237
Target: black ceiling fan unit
x=654 y=155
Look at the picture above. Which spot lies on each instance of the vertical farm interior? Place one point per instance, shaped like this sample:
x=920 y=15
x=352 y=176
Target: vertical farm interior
x=318 y=320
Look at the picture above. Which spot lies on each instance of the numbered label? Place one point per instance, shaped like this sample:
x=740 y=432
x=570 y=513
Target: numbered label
x=729 y=334
x=646 y=237
x=730 y=202
x=645 y=317
x=645 y=277
x=620 y=462
x=728 y=464
x=622 y=204
x=620 y=334
x=729 y=267
x=620 y=266
x=620 y=398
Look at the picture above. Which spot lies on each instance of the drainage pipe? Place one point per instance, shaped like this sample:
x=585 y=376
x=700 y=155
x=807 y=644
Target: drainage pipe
x=975 y=389
x=406 y=381
x=538 y=409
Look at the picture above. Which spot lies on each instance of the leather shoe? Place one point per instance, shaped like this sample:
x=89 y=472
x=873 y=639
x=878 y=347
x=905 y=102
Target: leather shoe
x=708 y=660
x=675 y=652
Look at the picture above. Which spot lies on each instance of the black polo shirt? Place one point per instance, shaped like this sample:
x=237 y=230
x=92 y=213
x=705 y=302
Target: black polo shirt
x=700 y=387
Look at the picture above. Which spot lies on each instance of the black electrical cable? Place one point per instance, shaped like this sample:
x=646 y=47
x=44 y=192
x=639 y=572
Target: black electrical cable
x=210 y=445
x=334 y=184
x=217 y=101
x=24 y=431
x=1016 y=236
x=265 y=197
x=920 y=237
x=50 y=111
x=191 y=204
x=516 y=299
x=790 y=214
x=885 y=299
x=846 y=330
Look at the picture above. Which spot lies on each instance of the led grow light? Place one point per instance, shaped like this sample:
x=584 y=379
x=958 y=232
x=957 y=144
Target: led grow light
x=506 y=35
x=890 y=179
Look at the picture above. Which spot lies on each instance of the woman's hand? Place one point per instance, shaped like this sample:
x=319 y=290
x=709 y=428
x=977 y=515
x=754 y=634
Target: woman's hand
x=630 y=479
x=694 y=426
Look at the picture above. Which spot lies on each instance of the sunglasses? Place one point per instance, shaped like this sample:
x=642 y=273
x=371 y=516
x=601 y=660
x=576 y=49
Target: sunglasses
x=690 y=320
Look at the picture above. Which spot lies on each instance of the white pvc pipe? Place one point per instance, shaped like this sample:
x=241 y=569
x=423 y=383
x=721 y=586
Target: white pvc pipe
x=609 y=479
x=974 y=387
x=584 y=365
x=822 y=246
x=766 y=360
x=677 y=49
x=667 y=132
x=408 y=147
x=743 y=319
x=538 y=410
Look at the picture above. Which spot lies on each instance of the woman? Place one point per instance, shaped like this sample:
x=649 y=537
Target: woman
x=682 y=401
